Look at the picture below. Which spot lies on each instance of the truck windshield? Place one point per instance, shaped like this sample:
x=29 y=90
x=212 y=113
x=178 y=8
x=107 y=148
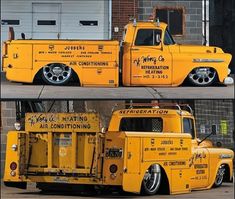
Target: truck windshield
x=168 y=39
x=147 y=124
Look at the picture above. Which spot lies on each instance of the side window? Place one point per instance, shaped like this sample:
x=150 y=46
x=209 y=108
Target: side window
x=188 y=126
x=147 y=37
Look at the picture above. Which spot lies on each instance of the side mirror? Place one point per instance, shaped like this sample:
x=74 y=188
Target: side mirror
x=214 y=129
x=158 y=39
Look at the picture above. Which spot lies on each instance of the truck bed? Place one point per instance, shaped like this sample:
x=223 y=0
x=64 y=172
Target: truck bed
x=94 y=62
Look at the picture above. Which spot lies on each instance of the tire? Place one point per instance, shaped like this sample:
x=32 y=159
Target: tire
x=56 y=74
x=151 y=180
x=203 y=76
x=219 y=176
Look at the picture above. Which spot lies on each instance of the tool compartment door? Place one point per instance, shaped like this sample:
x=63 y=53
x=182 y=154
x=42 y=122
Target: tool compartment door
x=151 y=63
x=100 y=64
x=133 y=155
x=132 y=160
x=20 y=55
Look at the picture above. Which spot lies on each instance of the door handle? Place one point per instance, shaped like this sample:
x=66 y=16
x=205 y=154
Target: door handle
x=135 y=49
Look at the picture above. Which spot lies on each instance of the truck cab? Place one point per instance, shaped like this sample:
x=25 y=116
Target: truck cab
x=145 y=150
x=151 y=57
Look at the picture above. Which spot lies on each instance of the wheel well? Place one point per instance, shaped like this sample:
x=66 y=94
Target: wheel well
x=164 y=185
x=226 y=174
x=75 y=78
x=205 y=67
x=37 y=78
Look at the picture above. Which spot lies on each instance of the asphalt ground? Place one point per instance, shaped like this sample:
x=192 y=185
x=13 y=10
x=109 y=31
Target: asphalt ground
x=226 y=191
x=13 y=90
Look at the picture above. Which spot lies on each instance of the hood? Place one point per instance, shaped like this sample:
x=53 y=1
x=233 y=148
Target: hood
x=199 y=49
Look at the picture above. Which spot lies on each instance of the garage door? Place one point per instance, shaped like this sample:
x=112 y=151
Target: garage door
x=46 y=20
x=77 y=19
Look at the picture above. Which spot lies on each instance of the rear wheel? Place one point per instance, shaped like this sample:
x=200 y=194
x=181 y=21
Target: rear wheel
x=56 y=74
x=219 y=176
x=151 y=180
x=203 y=76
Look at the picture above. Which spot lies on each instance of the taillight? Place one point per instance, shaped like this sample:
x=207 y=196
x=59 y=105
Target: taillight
x=113 y=168
x=13 y=166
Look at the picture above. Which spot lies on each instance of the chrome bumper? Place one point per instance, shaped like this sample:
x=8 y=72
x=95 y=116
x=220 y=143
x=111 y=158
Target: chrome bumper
x=228 y=81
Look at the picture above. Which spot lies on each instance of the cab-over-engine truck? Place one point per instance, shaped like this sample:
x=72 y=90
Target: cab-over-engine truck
x=148 y=56
x=144 y=150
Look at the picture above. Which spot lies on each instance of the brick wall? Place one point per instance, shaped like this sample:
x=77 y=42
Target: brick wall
x=7 y=123
x=192 y=22
x=208 y=112
x=122 y=10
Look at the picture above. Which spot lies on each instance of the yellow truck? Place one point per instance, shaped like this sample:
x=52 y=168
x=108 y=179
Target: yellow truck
x=147 y=56
x=144 y=150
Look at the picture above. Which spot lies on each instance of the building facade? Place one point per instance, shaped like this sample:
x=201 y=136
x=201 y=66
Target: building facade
x=103 y=19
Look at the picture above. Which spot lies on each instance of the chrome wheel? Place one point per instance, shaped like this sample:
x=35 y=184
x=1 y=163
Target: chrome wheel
x=152 y=179
x=219 y=176
x=202 y=76
x=56 y=73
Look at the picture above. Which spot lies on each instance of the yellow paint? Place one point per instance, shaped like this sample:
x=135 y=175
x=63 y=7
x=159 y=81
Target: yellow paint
x=81 y=156
x=97 y=63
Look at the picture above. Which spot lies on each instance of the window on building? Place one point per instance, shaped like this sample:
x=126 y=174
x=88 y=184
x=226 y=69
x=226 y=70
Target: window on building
x=10 y=22
x=173 y=17
x=147 y=37
x=147 y=124
x=189 y=126
x=89 y=23
x=46 y=22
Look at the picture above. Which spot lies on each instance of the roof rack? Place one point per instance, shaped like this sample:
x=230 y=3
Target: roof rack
x=161 y=105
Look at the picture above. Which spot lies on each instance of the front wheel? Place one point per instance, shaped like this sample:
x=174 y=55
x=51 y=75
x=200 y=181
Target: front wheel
x=202 y=76
x=151 y=180
x=219 y=176
x=56 y=74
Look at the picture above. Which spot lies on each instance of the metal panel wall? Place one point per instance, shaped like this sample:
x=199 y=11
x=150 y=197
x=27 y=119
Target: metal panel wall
x=70 y=12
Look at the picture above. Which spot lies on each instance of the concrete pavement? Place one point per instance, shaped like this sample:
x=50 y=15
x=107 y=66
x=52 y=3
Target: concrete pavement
x=226 y=191
x=11 y=90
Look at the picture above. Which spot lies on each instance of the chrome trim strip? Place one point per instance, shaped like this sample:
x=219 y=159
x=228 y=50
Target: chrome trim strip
x=208 y=60
x=225 y=156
